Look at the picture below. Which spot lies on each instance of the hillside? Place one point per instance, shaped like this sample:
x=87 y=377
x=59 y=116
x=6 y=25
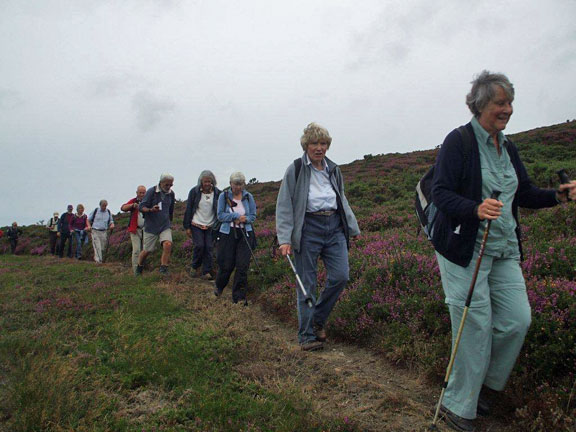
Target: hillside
x=394 y=303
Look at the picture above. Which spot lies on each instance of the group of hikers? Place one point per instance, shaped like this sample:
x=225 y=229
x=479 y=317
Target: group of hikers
x=74 y=227
x=314 y=221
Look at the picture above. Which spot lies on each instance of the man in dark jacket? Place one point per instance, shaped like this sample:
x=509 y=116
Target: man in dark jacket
x=64 y=231
x=200 y=216
x=13 y=233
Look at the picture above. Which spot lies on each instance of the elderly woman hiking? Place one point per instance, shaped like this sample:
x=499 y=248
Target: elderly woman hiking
x=200 y=215
x=314 y=219
x=237 y=213
x=474 y=161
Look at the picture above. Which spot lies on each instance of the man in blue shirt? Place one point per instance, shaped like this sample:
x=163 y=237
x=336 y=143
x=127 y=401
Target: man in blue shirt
x=158 y=210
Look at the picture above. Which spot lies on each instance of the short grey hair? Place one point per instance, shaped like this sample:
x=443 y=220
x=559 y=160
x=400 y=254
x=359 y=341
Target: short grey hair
x=209 y=174
x=483 y=90
x=315 y=133
x=103 y=202
x=166 y=176
x=237 y=177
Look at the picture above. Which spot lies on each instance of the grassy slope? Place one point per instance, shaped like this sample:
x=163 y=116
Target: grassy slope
x=91 y=348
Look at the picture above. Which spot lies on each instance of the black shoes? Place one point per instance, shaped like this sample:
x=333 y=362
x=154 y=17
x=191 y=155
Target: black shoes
x=138 y=270
x=163 y=269
x=455 y=421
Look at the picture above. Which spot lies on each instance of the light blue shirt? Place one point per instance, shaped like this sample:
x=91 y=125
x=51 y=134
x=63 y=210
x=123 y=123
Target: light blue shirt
x=321 y=195
x=498 y=173
x=101 y=220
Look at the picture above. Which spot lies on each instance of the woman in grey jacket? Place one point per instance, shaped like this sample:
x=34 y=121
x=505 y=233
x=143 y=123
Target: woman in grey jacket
x=314 y=220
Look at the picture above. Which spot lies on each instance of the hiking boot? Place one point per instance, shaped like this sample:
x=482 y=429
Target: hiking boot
x=312 y=346
x=483 y=408
x=163 y=269
x=484 y=401
x=217 y=292
x=138 y=270
x=196 y=273
x=456 y=422
x=207 y=276
x=320 y=333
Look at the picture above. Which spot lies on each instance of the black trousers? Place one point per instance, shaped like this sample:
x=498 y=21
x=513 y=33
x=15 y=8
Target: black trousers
x=202 y=249
x=13 y=244
x=233 y=254
x=63 y=238
x=53 y=242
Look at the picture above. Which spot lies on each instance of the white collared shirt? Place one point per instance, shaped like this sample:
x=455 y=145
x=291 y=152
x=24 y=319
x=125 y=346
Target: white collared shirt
x=321 y=195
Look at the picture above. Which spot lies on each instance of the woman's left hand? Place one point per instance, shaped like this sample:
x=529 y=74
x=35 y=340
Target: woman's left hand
x=570 y=187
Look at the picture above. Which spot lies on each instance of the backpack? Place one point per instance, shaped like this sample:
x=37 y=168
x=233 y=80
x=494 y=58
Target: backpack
x=426 y=210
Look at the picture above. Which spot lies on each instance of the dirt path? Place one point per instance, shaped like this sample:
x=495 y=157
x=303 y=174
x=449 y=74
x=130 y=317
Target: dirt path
x=342 y=381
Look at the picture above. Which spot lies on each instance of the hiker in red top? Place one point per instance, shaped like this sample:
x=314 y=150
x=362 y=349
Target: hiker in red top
x=136 y=223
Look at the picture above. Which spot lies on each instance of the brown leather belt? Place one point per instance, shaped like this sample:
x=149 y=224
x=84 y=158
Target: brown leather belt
x=322 y=213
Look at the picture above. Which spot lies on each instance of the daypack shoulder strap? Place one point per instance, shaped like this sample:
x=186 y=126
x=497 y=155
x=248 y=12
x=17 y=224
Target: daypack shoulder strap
x=467 y=147
x=93 y=216
x=297 y=167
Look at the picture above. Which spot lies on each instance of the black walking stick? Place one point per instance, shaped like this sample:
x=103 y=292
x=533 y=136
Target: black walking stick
x=245 y=235
x=494 y=195
x=300 y=284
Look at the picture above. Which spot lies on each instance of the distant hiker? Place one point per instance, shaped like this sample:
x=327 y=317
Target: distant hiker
x=200 y=215
x=79 y=227
x=237 y=213
x=136 y=224
x=314 y=220
x=13 y=233
x=64 y=231
x=52 y=227
x=157 y=206
x=499 y=314
x=101 y=222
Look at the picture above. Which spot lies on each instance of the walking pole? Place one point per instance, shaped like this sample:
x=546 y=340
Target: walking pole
x=300 y=284
x=245 y=235
x=494 y=195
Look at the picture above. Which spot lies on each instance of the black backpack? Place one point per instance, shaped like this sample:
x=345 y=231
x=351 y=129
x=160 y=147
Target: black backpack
x=426 y=211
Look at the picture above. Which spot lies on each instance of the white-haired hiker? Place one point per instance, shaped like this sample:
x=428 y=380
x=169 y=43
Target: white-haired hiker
x=465 y=177
x=237 y=213
x=314 y=220
x=100 y=222
x=201 y=214
x=157 y=207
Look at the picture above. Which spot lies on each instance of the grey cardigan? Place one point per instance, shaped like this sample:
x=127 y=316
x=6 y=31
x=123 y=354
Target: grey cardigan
x=292 y=199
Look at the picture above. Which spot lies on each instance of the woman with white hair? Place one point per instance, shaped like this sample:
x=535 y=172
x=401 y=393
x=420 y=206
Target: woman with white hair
x=314 y=220
x=237 y=213
x=474 y=161
x=200 y=215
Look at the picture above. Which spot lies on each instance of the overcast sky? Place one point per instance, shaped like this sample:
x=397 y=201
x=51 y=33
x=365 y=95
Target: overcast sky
x=97 y=97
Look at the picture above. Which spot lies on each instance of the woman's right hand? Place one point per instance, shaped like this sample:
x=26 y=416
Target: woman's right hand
x=285 y=249
x=490 y=209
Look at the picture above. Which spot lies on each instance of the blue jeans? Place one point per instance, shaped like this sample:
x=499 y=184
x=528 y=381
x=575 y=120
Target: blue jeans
x=322 y=237
x=79 y=237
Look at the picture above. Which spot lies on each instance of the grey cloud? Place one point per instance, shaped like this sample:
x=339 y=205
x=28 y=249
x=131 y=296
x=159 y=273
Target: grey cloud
x=150 y=109
x=115 y=85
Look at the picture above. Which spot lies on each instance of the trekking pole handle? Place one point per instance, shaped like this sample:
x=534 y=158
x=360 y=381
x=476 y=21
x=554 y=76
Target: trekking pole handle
x=495 y=194
x=563 y=180
x=300 y=284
